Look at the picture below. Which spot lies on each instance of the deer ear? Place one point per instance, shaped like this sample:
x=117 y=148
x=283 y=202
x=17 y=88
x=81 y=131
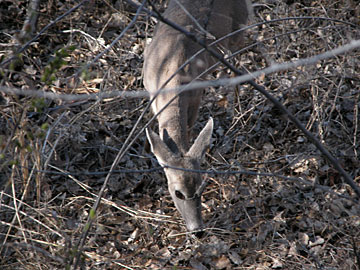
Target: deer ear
x=202 y=142
x=161 y=151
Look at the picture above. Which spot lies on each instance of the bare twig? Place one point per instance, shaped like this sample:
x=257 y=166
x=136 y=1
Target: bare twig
x=193 y=85
x=357 y=254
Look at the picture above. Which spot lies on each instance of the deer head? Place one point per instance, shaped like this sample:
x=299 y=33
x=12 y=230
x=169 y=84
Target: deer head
x=185 y=186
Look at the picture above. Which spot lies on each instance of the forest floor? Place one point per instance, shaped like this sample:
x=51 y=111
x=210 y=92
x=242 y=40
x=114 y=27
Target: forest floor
x=294 y=212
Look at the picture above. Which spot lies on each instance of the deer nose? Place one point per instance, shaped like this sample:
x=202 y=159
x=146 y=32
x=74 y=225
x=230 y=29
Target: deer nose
x=196 y=228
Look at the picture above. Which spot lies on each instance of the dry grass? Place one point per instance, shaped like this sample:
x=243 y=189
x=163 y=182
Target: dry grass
x=53 y=153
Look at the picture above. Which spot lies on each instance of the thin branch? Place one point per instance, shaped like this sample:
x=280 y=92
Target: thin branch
x=187 y=87
x=73 y=97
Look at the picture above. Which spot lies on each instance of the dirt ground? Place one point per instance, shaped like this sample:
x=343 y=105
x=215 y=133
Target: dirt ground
x=295 y=212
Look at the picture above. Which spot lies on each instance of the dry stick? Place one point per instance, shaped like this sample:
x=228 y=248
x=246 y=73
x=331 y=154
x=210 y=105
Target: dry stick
x=278 y=104
x=90 y=220
x=142 y=94
x=133 y=94
x=23 y=48
x=72 y=97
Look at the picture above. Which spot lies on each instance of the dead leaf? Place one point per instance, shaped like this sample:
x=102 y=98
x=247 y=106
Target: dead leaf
x=222 y=262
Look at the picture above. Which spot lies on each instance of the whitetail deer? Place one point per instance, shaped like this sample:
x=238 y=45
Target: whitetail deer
x=168 y=50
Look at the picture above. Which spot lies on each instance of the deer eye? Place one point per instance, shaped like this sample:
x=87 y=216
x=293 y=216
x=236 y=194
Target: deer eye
x=179 y=195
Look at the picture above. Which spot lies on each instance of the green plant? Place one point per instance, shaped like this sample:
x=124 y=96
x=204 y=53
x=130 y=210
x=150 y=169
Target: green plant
x=56 y=63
